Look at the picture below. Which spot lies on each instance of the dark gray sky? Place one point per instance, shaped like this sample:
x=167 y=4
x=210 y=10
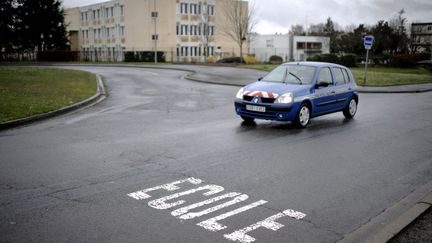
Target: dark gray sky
x=278 y=15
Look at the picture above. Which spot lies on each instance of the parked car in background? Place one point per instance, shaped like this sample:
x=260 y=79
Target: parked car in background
x=297 y=92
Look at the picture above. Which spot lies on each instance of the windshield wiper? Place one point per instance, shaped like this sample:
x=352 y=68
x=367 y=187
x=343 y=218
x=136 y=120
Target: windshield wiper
x=295 y=76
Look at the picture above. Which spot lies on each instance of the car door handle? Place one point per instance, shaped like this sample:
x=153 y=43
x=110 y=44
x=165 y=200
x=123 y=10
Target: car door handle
x=333 y=92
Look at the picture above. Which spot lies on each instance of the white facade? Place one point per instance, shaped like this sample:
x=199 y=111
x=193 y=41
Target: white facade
x=306 y=46
x=102 y=31
x=265 y=46
x=290 y=48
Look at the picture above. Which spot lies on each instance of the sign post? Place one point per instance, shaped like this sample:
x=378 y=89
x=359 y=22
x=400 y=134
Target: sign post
x=367 y=42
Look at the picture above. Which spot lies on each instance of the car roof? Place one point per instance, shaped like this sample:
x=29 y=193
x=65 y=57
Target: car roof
x=315 y=64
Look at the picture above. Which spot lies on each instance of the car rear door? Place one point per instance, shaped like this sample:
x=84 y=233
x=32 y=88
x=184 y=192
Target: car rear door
x=342 y=87
x=324 y=97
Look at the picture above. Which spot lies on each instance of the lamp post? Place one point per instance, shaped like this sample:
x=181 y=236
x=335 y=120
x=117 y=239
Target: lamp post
x=154 y=15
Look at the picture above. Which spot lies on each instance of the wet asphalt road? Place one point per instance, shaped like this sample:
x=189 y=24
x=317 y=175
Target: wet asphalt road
x=68 y=178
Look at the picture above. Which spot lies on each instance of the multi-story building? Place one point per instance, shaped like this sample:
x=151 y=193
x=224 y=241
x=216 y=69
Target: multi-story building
x=421 y=37
x=289 y=47
x=186 y=30
x=303 y=47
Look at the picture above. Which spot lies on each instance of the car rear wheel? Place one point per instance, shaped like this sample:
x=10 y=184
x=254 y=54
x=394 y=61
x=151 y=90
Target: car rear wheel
x=247 y=119
x=303 y=116
x=351 y=109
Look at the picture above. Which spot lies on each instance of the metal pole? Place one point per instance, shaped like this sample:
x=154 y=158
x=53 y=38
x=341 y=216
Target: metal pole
x=366 y=67
x=155 y=34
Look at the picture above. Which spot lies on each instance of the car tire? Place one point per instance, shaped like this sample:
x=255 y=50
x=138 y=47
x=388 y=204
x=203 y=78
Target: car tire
x=351 y=109
x=247 y=119
x=303 y=116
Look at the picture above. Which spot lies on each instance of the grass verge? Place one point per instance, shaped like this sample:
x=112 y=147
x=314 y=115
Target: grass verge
x=377 y=76
x=27 y=91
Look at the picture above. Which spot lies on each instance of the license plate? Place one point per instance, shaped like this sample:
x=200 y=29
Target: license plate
x=255 y=108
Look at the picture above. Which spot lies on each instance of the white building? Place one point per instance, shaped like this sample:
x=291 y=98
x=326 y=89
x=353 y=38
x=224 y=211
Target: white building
x=303 y=47
x=265 y=46
x=290 y=48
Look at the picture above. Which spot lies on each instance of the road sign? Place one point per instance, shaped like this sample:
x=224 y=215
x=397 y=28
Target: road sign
x=368 y=42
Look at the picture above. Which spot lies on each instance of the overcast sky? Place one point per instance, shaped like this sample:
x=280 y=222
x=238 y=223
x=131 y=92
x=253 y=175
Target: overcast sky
x=278 y=15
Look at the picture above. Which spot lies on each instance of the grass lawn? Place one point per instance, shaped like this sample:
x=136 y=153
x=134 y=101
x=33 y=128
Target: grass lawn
x=377 y=76
x=26 y=91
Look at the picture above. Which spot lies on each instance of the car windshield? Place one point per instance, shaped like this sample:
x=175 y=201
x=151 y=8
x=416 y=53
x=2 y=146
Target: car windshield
x=296 y=74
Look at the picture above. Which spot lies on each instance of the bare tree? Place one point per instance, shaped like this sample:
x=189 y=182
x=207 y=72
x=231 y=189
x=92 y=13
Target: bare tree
x=241 y=20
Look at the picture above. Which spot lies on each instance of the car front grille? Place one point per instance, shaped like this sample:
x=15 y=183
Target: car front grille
x=263 y=100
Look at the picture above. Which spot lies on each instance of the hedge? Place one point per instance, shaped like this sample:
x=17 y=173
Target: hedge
x=143 y=56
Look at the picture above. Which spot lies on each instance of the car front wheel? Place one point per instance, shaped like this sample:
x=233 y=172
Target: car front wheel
x=247 y=119
x=351 y=109
x=303 y=116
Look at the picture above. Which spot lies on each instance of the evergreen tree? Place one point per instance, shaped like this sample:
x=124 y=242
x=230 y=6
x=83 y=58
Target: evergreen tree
x=6 y=25
x=41 y=26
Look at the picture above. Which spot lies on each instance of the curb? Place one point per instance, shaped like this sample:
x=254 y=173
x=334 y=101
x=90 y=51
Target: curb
x=402 y=221
x=388 y=226
x=98 y=97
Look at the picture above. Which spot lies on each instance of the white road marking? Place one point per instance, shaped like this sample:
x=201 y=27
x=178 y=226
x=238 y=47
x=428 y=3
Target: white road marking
x=209 y=210
x=140 y=195
x=213 y=225
x=268 y=223
x=161 y=204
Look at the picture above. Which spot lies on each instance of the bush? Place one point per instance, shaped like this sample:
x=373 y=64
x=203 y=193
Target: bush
x=250 y=59
x=57 y=56
x=143 y=56
x=211 y=59
x=230 y=60
x=404 y=60
x=348 y=60
x=275 y=59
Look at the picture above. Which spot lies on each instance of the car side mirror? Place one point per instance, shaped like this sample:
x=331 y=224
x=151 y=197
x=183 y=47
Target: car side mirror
x=260 y=78
x=321 y=84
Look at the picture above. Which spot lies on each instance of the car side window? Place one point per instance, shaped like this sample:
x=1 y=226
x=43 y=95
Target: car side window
x=338 y=76
x=325 y=76
x=346 y=76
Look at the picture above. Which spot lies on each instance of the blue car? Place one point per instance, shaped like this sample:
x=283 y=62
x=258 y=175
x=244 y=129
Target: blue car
x=297 y=92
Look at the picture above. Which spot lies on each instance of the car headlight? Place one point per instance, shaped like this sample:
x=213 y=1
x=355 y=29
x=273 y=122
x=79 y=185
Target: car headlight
x=285 y=98
x=239 y=94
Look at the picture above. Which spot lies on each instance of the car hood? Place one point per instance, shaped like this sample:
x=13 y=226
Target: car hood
x=277 y=88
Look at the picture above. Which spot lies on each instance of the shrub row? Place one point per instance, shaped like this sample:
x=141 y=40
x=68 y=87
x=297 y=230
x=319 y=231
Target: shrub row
x=143 y=56
x=348 y=60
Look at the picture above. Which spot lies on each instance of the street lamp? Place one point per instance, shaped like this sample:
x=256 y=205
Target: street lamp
x=155 y=36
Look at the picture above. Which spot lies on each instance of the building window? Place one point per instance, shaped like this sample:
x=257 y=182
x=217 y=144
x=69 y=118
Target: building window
x=211 y=30
x=269 y=43
x=429 y=28
x=121 y=10
x=210 y=9
x=122 y=31
x=98 y=14
x=193 y=8
x=193 y=30
x=184 y=51
x=183 y=8
x=94 y=14
x=112 y=11
x=184 y=29
x=106 y=12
